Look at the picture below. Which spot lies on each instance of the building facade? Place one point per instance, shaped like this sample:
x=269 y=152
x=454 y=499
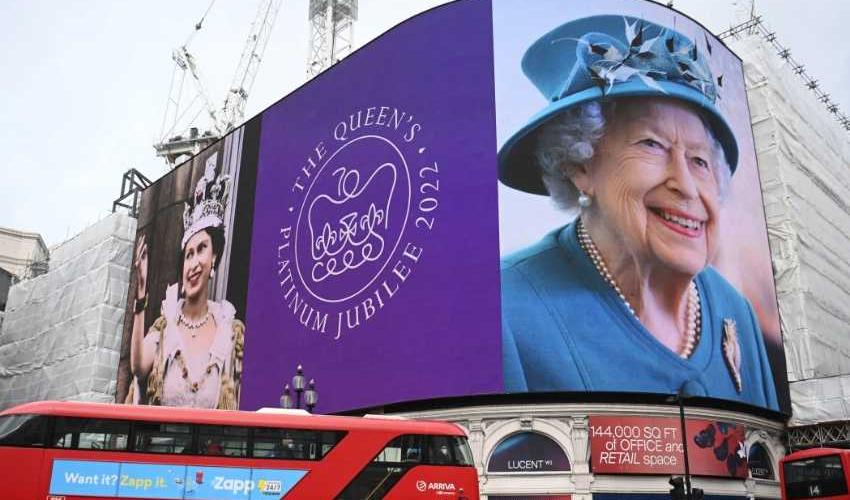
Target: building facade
x=570 y=427
x=22 y=253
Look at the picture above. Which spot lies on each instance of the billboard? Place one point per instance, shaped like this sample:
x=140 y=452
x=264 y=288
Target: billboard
x=528 y=452
x=654 y=445
x=184 y=324
x=140 y=480
x=492 y=197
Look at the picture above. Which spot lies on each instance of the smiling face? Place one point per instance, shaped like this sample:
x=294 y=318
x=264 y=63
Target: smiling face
x=654 y=184
x=198 y=260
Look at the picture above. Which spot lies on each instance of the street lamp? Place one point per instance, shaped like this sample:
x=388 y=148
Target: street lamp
x=286 y=398
x=676 y=482
x=311 y=397
x=299 y=385
x=687 y=492
x=680 y=397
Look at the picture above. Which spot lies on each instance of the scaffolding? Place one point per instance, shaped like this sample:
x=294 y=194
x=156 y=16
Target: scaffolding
x=755 y=26
x=132 y=185
x=62 y=330
x=799 y=149
x=831 y=434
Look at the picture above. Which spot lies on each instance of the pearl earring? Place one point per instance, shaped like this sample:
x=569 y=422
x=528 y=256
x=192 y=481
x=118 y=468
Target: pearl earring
x=584 y=200
x=212 y=273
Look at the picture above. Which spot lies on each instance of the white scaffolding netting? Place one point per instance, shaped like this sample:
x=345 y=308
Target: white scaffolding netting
x=62 y=330
x=804 y=160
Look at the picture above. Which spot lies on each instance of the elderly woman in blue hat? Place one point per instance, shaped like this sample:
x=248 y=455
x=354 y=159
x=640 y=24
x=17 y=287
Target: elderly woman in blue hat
x=624 y=298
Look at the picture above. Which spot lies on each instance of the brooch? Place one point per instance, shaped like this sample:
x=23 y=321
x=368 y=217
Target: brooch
x=732 y=351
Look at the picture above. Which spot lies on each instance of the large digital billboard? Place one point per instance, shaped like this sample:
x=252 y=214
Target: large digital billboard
x=492 y=197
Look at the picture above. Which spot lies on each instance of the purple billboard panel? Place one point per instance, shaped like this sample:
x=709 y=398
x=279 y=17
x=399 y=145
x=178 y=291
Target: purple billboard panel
x=374 y=257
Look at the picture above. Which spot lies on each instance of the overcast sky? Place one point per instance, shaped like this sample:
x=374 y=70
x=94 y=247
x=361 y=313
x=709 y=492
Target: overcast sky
x=84 y=83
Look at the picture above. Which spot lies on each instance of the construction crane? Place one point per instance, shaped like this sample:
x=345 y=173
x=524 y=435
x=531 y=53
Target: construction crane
x=179 y=135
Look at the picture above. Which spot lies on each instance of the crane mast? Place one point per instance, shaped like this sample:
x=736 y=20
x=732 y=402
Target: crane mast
x=331 y=33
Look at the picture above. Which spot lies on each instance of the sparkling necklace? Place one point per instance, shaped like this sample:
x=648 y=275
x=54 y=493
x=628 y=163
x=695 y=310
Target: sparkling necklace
x=692 y=332
x=193 y=326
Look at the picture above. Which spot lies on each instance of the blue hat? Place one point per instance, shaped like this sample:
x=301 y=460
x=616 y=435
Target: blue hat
x=611 y=56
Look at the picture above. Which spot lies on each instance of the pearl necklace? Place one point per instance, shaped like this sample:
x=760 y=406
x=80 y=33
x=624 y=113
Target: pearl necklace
x=193 y=326
x=692 y=333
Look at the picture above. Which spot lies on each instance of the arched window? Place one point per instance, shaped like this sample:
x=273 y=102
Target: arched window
x=528 y=452
x=758 y=460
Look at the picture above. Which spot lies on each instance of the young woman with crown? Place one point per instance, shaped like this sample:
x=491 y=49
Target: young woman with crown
x=192 y=354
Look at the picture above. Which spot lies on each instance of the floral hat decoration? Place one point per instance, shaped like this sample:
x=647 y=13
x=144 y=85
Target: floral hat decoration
x=609 y=57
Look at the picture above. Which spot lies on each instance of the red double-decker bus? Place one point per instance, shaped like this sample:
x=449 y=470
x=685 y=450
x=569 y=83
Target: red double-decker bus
x=68 y=451
x=818 y=473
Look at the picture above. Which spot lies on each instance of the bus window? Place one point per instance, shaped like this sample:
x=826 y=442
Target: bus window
x=462 y=453
x=814 y=477
x=293 y=444
x=440 y=452
x=407 y=449
x=223 y=440
x=91 y=434
x=23 y=430
x=162 y=438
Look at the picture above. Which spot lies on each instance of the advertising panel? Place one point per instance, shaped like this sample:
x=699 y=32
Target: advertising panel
x=405 y=226
x=184 y=328
x=136 y=480
x=374 y=261
x=653 y=445
x=632 y=231
x=528 y=452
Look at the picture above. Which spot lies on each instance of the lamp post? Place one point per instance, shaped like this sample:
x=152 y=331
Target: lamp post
x=311 y=397
x=286 y=398
x=679 y=398
x=299 y=385
x=676 y=492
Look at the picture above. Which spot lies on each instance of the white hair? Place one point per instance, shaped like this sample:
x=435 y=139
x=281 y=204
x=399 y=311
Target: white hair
x=568 y=142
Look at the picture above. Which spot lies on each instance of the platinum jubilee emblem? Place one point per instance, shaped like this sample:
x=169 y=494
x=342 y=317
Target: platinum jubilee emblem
x=365 y=202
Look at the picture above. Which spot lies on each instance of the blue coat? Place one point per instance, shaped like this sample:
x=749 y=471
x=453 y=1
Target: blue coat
x=565 y=329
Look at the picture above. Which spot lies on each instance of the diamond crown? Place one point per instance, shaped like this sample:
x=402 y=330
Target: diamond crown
x=207 y=205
